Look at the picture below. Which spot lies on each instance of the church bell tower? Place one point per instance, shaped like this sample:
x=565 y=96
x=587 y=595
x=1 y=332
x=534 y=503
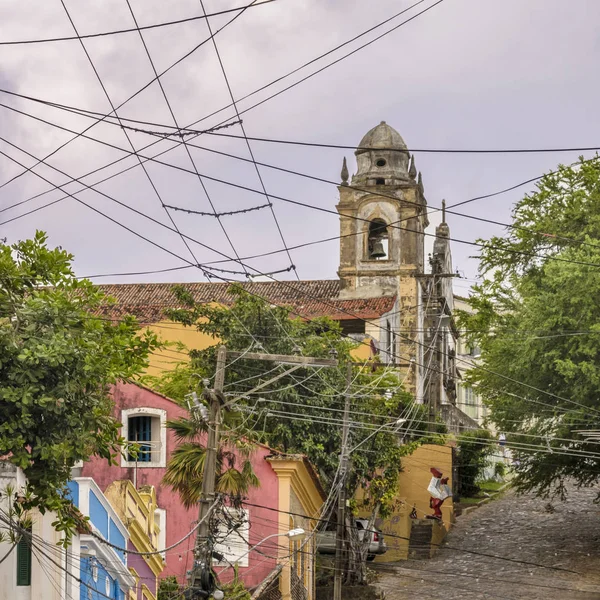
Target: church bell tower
x=382 y=218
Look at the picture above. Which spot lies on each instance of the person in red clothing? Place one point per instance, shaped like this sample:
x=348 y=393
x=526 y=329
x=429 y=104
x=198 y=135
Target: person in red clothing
x=439 y=490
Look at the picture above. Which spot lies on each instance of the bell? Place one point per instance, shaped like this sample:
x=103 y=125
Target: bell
x=377 y=250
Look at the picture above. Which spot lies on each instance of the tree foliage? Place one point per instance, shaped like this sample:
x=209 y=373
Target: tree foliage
x=537 y=322
x=473 y=449
x=57 y=362
x=301 y=412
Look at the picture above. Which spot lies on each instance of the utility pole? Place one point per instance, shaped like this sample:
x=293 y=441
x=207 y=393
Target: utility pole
x=202 y=583
x=202 y=578
x=341 y=508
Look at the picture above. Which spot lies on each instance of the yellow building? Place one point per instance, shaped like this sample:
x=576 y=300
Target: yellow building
x=405 y=535
x=137 y=508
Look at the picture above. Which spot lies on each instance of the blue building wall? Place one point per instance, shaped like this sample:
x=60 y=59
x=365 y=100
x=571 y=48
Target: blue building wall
x=117 y=538
x=98 y=515
x=96 y=589
x=74 y=492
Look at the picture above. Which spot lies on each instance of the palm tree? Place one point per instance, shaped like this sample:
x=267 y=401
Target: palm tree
x=235 y=475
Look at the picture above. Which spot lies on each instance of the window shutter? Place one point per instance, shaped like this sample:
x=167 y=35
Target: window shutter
x=23 y=562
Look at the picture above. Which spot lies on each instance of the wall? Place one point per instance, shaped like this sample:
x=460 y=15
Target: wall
x=412 y=491
x=97 y=582
x=137 y=510
x=179 y=519
x=48 y=581
x=169 y=331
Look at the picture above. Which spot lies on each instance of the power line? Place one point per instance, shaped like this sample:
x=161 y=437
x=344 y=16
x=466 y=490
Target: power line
x=221 y=214
x=133 y=29
x=441 y=545
x=293 y=172
x=114 y=110
x=258 y=174
x=164 y=94
x=376 y=193
x=313 y=207
x=246 y=110
x=186 y=55
x=339 y=309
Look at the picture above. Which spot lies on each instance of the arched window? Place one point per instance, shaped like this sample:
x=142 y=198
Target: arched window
x=378 y=240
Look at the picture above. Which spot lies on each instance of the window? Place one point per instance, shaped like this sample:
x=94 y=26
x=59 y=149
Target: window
x=232 y=537
x=24 y=561
x=145 y=431
x=378 y=240
x=140 y=430
x=469 y=396
x=380 y=181
x=390 y=343
x=350 y=326
x=381 y=162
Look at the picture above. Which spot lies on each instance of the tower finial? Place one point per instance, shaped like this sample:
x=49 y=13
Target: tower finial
x=344 y=173
x=443 y=211
x=412 y=172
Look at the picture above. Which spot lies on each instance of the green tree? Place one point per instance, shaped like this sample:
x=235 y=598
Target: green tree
x=57 y=363
x=537 y=322
x=474 y=447
x=300 y=412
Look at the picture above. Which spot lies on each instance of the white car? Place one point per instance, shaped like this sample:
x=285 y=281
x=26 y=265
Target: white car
x=377 y=545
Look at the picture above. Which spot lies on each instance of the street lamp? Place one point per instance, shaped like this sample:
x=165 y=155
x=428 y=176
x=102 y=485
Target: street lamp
x=294 y=534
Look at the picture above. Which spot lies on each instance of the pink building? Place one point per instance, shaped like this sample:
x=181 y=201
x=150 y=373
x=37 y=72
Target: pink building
x=288 y=489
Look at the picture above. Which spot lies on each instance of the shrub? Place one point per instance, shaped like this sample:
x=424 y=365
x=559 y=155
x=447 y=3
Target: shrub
x=473 y=449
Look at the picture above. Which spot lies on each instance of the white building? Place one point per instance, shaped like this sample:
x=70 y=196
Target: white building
x=47 y=573
x=37 y=568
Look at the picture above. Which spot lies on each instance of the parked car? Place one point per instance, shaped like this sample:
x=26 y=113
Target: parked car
x=377 y=545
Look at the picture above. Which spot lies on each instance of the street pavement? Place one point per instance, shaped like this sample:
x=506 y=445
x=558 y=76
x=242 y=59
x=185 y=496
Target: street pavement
x=513 y=548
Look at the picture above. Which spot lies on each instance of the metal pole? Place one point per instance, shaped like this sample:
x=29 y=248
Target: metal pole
x=202 y=572
x=341 y=508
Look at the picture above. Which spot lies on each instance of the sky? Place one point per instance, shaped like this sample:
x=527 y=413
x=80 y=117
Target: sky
x=466 y=74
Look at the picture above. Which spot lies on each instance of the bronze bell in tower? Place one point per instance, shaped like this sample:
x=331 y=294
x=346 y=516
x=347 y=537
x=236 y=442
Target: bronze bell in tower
x=377 y=250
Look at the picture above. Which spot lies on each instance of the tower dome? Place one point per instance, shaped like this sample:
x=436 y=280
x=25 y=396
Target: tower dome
x=382 y=157
x=381 y=137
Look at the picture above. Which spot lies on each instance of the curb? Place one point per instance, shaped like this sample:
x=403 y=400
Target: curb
x=469 y=509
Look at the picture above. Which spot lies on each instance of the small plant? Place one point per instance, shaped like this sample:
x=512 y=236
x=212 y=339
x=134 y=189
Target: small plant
x=235 y=589
x=499 y=470
x=169 y=589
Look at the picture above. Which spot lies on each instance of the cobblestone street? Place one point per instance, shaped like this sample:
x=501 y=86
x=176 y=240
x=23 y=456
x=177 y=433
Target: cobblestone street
x=566 y=542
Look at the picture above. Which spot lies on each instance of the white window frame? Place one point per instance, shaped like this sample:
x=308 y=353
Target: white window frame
x=235 y=548
x=150 y=412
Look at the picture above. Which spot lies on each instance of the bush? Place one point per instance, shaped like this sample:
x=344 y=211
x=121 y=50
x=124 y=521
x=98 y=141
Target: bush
x=473 y=449
x=499 y=470
x=168 y=588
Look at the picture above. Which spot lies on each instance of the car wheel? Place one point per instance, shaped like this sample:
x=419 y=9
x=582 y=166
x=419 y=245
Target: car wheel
x=371 y=557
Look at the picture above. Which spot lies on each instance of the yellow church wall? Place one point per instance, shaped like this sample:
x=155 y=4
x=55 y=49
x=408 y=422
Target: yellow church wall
x=176 y=333
x=168 y=331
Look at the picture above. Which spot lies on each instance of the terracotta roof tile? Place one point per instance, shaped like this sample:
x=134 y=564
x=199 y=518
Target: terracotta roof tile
x=308 y=299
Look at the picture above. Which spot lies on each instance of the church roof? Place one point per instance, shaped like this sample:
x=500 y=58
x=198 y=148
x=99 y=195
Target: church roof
x=308 y=299
x=381 y=136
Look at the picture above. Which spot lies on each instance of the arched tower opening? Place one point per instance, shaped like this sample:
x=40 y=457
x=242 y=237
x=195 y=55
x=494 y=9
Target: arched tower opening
x=378 y=240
